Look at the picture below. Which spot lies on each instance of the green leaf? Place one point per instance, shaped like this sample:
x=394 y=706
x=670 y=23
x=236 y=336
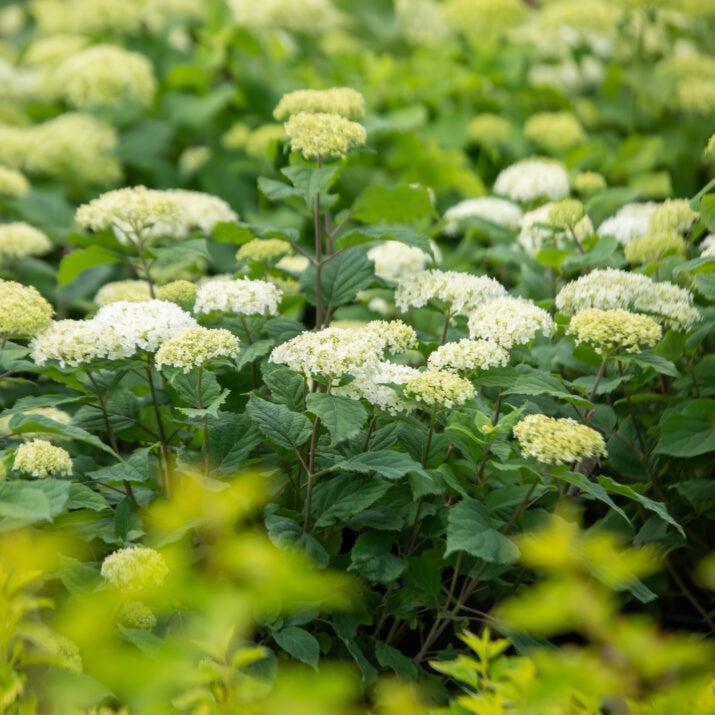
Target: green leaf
x=211 y=410
x=387 y=463
x=186 y=386
x=284 y=531
x=287 y=387
x=282 y=426
x=310 y=181
x=254 y=351
x=342 y=416
x=399 y=204
x=651 y=360
x=232 y=232
x=82 y=497
x=338 y=499
x=371 y=557
x=135 y=469
x=707 y=211
x=596 y=491
x=389 y=657
x=300 y=644
x=342 y=277
x=231 y=439
x=689 y=432
x=74 y=264
x=276 y=190
x=657 y=507
x=20 y=424
x=470 y=529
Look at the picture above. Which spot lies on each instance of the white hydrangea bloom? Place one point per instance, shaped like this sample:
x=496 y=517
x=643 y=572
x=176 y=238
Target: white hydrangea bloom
x=19 y=239
x=201 y=211
x=293 y=264
x=373 y=385
x=535 y=233
x=629 y=222
x=707 y=246
x=467 y=355
x=532 y=179
x=194 y=347
x=610 y=288
x=146 y=325
x=462 y=292
x=395 y=260
x=243 y=297
x=135 y=568
x=41 y=459
x=489 y=208
x=438 y=388
x=136 y=214
x=510 y=321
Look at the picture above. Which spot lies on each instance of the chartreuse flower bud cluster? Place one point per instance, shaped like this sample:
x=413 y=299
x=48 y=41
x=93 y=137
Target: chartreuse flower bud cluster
x=264 y=250
x=42 y=459
x=558 y=441
x=13 y=183
x=554 y=131
x=587 y=183
x=181 y=292
x=319 y=122
x=489 y=130
x=19 y=239
x=609 y=331
x=24 y=311
x=654 y=247
x=135 y=569
x=438 y=388
x=673 y=215
x=559 y=222
x=195 y=347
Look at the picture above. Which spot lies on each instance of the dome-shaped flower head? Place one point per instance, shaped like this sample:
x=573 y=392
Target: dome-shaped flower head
x=438 y=388
x=343 y=101
x=132 y=291
x=510 y=321
x=533 y=179
x=489 y=208
x=557 y=441
x=323 y=136
x=42 y=459
x=19 y=239
x=609 y=331
x=135 y=569
x=468 y=355
x=194 y=347
x=13 y=183
x=23 y=311
x=242 y=297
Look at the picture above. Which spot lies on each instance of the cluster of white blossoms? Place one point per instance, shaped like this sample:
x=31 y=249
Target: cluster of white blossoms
x=609 y=331
x=19 y=239
x=558 y=441
x=438 y=388
x=334 y=352
x=308 y=16
x=533 y=179
x=72 y=146
x=460 y=292
x=510 y=321
x=134 y=569
x=489 y=208
x=194 y=347
x=13 y=183
x=543 y=225
x=610 y=288
x=395 y=260
x=133 y=291
x=118 y=331
x=136 y=214
x=24 y=311
x=707 y=246
x=629 y=222
x=241 y=296
x=201 y=211
x=373 y=384
x=293 y=264
x=468 y=355
x=104 y=76
x=42 y=459
x=344 y=101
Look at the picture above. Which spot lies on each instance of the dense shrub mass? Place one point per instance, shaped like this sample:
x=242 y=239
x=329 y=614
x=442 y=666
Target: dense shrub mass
x=357 y=357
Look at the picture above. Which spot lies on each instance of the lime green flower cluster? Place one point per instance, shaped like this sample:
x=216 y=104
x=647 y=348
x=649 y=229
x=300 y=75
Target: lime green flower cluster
x=589 y=182
x=130 y=290
x=566 y=213
x=194 y=347
x=19 y=239
x=135 y=614
x=264 y=250
x=480 y=19
x=673 y=215
x=343 y=101
x=13 y=183
x=609 y=331
x=42 y=459
x=181 y=292
x=25 y=312
x=135 y=569
x=554 y=131
x=654 y=246
x=319 y=122
x=557 y=441
x=489 y=130
x=439 y=388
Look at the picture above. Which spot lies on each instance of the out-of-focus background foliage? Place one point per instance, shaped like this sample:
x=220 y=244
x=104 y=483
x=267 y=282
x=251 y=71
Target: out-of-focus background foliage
x=603 y=611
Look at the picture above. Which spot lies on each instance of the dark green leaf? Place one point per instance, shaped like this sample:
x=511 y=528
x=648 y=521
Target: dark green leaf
x=300 y=644
x=389 y=464
x=282 y=426
x=341 y=416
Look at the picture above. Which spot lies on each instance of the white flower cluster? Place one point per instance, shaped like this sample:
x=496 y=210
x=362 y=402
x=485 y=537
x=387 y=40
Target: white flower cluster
x=194 y=347
x=13 y=183
x=373 y=384
x=629 y=222
x=489 y=208
x=533 y=179
x=467 y=355
x=461 y=292
x=395 y=260
x=510 y=321
x=610 y=288
x=309 y=16
x=42 y=459
x=538 y=228
x=334 y=352
x=242 y=296
x=19 y=239
x=201 y=211
x=707 y=246
x=117 y=331
x=438 y=388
